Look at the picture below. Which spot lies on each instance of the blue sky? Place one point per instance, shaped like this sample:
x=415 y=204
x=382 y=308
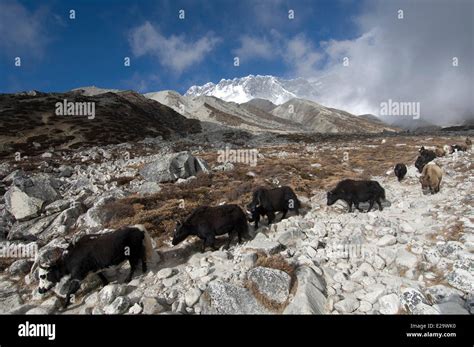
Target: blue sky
x=403 y=50
x=58 y=53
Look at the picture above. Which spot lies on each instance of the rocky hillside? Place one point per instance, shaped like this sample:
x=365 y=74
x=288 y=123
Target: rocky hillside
x=413 y=257
x=318 y=118
x=213 y=110
x=29 y=123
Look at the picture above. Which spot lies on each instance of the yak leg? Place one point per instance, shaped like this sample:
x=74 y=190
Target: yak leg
x=133 y=266
x=356 y=204
x=350 y=205
x=104 y=279
x=74 y=286
x=257 y=219
x=371 y=204
x=380 y=204
x=271 y=217
x=284 y=214
x=209 y=241
x=229 y=240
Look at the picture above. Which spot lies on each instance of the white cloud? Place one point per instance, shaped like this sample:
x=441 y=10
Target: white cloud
x=253 y=47
x=22 y=31
x=405 y=60
x=300 y=53
x=174 y=51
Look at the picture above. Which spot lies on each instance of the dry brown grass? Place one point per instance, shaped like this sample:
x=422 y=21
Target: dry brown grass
x=274 y=262
x=454 y=232
x=160 y=212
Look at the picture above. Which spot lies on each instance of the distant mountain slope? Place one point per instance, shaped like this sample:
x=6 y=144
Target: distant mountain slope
x=315 y=117
x=409 y=123
x=262 y=104
x=119 y=117
x=228 y=114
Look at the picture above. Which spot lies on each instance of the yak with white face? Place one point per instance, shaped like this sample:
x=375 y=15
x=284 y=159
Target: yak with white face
x=48 y=277
x=93 y=253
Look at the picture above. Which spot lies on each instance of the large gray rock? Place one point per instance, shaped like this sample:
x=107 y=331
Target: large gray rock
x=461 y=279
x=9 y=298
x=411 y=298
x=95 y=217
x=225 y=298
x=20 y=267
x=173 y=166
x=27 y=196
x=30 y=229
x=273 y=284
x=309 y=297
x=262 y=243
x=62 y=223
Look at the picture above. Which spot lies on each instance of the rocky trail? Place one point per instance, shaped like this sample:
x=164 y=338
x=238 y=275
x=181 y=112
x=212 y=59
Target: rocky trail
x=414 y=257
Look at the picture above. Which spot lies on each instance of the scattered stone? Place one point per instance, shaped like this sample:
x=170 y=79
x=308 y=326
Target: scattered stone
x=108 y=293
x=119 y=306
x=192 y=297
x=262 y=243
x=165 y=273
x=347 y=305
x=389 y=304
x=406 y=259
x=387 y=240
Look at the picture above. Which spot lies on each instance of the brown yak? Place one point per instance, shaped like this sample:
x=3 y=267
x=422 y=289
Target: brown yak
x=431 y=178
x=440 y=152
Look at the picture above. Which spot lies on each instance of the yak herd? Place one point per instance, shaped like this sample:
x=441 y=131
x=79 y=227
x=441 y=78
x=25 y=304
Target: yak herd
x=94 y=253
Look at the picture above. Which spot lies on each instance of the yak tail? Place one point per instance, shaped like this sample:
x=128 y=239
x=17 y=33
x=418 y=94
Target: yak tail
x=147 y=243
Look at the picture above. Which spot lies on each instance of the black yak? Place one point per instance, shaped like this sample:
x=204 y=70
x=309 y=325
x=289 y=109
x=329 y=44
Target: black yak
x=424 y=158
x=266 y=202
x=400 y=171
x=207 y=222
x=354 y=192
x=93 y=253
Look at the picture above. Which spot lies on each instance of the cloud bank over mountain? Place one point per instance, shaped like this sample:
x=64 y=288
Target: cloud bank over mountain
x=407 y=59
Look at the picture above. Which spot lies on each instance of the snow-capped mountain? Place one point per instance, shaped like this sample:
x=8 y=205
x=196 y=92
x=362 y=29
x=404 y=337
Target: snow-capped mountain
x=274 y=89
